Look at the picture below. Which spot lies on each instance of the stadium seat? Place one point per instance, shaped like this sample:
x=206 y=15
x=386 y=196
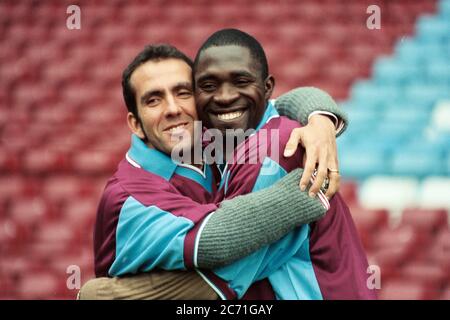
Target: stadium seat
x=440 y=251
x=13 y=236
x=370 y=220
x=441 y=116
x=426 y=95
x=389 y=192
x=95 y=162
x=433 y=28
x=445 y=294
x=61 y=188
x=438 y=72
x=43 y=285
x=425 y=220
x=348 y=190
x=406 y=290
x=398 y=237
x=427 y=273
x=44 y=161
x=394 y=72
x=434 y=193
x=80 y=209
x=30 y=210
x=411 y=163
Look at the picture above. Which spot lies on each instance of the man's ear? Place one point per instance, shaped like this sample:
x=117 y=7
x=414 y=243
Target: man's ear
x=269 y=85
x=135 y=125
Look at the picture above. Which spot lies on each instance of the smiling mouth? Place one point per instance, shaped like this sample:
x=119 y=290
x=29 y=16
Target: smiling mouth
x=177 y=129
x=230 y=116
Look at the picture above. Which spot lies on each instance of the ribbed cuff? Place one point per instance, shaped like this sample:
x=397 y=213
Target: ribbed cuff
x=299 y=103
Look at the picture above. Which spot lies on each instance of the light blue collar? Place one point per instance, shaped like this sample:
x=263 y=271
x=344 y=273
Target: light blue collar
x=159 y=163
x=151 y=160
x=271 y=112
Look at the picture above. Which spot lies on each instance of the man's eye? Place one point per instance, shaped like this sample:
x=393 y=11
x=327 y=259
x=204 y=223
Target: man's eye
x=242 y=82
x=208 y=87
x=185 y=94
x=152 y=101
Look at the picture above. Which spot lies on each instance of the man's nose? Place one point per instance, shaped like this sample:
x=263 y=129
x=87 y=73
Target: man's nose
x=226 y=95
x=172 y=107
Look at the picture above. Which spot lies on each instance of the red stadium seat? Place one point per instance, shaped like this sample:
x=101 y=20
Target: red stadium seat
x=440 y=251
x=61 y=187
x=425 y=220
x=8 y=290
x=445 y=294
x=45 y=161
x=95 y=162
x=427 y=273
x=390 y=259
x=80 y=212
x=388 y=238
x=369 y=219
x=348 y=191
x=407 y=290
x=83 y=259
x=13 y=236
x=14 y=266
x=30 y=210
x=44 y=285
x=394 y=247
x=9 y=161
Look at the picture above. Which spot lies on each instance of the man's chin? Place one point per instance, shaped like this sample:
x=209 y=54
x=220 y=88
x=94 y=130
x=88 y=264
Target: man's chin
x=181 y=149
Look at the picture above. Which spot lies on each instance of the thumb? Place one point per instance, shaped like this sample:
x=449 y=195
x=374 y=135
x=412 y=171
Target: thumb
x=292 y=144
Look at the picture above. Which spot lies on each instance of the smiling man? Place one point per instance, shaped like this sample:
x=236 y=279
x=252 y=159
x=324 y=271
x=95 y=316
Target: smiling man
x=152 y=209
x=233 y=88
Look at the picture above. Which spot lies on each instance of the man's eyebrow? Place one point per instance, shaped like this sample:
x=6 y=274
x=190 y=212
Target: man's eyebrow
x=149 y=94
x=183 y=85
x=207 y=76
x=239 y=73
x=234 y=73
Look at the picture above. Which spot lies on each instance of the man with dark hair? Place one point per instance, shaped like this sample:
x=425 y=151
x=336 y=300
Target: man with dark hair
x=327 y=259
x=154 y=53
x=134 y=208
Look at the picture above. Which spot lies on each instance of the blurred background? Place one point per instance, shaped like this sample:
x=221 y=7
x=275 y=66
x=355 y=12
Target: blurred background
x=63 y=129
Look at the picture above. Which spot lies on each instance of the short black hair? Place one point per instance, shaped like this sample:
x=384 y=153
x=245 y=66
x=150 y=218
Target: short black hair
x=154 y=52
x=235 y=37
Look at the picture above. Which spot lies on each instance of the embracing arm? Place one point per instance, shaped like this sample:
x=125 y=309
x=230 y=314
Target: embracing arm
x=301 y=104
x=314 y=109
x=152 y=236
x=246 y=223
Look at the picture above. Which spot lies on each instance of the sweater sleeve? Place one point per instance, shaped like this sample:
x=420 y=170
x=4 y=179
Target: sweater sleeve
x=298 y=104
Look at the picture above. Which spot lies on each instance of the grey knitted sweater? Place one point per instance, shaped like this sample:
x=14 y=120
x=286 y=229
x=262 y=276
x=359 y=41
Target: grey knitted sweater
x=246 y=223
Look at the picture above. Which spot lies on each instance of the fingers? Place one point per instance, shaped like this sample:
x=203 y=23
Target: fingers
x=292 y=144
x=322 y=172
x=310 y=166
x=335 y=180
x=334 y=177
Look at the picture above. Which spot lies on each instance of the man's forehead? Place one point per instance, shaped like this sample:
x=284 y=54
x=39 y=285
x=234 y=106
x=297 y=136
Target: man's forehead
x=161 y=73
x=228 y=58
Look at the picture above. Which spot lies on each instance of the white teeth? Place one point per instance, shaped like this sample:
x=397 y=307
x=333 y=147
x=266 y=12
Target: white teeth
x=229 y=116
x=177 y=128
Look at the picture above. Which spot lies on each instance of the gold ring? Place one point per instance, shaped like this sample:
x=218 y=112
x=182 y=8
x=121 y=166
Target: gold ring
x=333 y=170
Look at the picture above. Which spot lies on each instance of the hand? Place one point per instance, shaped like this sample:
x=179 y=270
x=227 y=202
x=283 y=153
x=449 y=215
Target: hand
x=319 y=140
